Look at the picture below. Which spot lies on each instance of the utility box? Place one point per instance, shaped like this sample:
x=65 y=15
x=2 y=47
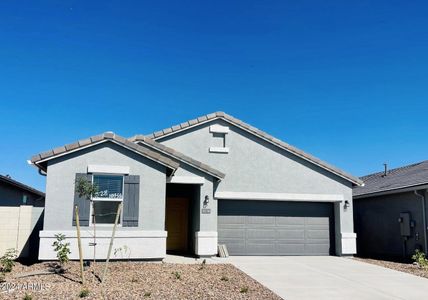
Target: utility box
x=405 y=224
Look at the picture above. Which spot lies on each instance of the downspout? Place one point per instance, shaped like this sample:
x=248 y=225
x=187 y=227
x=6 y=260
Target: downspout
x=424 y=219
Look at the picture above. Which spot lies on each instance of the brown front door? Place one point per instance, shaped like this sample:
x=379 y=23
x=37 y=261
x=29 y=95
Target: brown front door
x=176 y=223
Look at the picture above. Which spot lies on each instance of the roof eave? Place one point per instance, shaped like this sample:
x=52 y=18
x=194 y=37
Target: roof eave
x=40 y=159
x=252 y=130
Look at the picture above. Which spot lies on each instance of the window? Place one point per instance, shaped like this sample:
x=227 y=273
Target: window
x=24 y=199
x=107 y=199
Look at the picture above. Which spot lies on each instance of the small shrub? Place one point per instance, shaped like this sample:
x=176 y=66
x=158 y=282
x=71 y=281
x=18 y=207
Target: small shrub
x=202 y=266
x=224 y=278
x=244 y=290
x=7 y=261
x=61 y=248
x=27 y=297
x=177 y=275
x=420 y=259
x=2 y=277
x=84 y=293
x=147 y=294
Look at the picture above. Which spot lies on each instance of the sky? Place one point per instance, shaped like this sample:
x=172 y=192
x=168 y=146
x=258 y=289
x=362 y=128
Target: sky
x=346 y=81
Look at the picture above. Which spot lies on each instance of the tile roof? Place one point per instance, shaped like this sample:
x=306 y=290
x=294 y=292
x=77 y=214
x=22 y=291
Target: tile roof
x=221 y=115
x=39 y=159
x=403 y=177
x=20 y=185
x=178 y=155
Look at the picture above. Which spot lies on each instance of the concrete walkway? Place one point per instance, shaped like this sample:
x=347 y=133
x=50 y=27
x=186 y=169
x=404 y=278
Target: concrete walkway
x=328 y=277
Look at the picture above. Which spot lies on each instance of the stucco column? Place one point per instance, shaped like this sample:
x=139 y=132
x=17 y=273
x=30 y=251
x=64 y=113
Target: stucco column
x=346 y=239
x=206 y=238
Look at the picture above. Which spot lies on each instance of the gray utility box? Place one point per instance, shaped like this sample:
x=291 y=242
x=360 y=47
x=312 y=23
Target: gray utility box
x=406 y=224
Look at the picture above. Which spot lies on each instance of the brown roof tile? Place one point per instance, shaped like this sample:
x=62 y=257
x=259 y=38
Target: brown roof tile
x=178 y=155
x=265 y=136
x=110 y=136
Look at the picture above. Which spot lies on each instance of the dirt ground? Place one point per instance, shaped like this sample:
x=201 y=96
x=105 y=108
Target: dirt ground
x=403 y=267
x=135 y=280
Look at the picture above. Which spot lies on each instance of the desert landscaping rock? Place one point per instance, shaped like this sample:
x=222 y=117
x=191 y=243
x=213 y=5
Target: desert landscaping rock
x=136 y=280
x=403 y=267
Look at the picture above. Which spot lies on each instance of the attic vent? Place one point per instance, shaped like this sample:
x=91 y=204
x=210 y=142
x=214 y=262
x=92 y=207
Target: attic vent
x=385 y=171
x=219 y=139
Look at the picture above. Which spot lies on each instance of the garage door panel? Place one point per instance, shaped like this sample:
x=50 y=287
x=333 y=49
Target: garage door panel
x=317 y=221
x=291 y=234
x=261 y=234
x=317 y=234
x=276 y=228
x=290 y=220
x=232 y=220
x=290 y=249
x=257 y=248
x=317 y=249
x=232 y=233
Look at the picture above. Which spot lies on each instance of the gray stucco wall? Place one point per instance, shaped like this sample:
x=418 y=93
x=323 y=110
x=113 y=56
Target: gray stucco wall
x=12 y=196
x=378 y=229
x=61 y=176
x=254 y=165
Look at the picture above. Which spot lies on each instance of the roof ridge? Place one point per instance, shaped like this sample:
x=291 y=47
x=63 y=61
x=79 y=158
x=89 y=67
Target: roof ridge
x=22 y=185
x=106 y=136
x=394 y=169
x=257 y=132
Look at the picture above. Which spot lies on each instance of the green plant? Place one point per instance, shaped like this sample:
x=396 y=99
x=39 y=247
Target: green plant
x=85 y=188
x=420 y=259
x=27 y=297
x=84 y=293
x=224 y=278
x=177 y=275
x=61 y=248
x=7 y=261
x=147 y=294
x=244 y=289
x=202 y=266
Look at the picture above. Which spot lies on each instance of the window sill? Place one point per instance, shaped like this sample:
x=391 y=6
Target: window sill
x=219 y=150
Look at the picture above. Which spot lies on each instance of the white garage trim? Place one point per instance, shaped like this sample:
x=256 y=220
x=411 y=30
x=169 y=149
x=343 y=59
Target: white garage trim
x=186 y=179
x=279 y=196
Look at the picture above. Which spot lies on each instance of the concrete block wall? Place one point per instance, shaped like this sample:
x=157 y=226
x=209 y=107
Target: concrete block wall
x=16 y=225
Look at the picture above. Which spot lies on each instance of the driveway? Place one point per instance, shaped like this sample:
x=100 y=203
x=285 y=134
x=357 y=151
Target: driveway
x=329 y=277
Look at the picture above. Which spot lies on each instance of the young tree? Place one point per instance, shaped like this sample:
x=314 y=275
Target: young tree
x=88 y=190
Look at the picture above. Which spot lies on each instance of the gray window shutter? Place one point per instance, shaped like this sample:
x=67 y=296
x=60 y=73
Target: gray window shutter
x=131 y=199
x=82 y=202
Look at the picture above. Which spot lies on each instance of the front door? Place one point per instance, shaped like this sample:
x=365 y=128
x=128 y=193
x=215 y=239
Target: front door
x=176 y=224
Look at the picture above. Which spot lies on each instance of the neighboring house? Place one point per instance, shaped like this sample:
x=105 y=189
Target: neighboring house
x=212 y=180
x=15 y=193
x=21 y=210
x=390 y=212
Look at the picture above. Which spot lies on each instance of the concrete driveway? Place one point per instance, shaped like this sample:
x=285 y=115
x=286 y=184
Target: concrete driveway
x=329 y=277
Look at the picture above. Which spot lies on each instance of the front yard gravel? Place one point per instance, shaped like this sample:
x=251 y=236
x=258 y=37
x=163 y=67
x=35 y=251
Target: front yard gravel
x=403 y=267
x=136 y=280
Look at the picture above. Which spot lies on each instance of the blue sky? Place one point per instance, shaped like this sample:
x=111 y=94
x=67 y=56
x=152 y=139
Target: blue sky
x=344 y=81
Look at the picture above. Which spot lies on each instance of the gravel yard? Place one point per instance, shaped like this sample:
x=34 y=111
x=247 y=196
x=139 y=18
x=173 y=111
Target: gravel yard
x=403 y=267
x=136 y=280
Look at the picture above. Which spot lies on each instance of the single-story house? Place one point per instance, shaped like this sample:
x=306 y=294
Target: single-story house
x=21 y=217
x=390 y=212
x=208 y=181
x=15 y=193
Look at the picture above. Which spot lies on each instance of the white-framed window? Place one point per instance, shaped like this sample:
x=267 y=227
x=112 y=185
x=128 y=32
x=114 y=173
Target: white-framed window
x=107 y=199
